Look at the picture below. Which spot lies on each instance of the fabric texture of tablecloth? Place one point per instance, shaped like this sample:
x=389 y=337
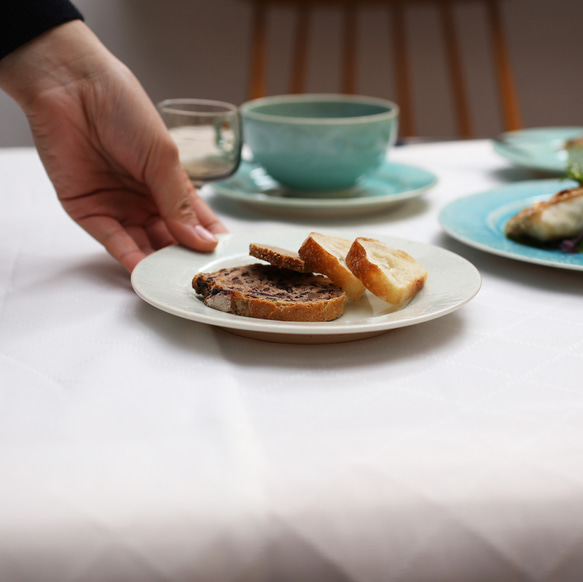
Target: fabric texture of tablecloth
x=135 y=445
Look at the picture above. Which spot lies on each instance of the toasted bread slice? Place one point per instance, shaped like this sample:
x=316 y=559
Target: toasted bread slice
x=327 y=255
x=267 y=292
x=390 y=274
x=279 y=257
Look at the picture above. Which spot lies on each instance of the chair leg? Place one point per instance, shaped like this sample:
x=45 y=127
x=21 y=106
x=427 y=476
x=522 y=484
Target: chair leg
x=258 y=51
x=349 y=48
x=508 y=94
x=460 y=98
x=402 y=69
x=300 y=50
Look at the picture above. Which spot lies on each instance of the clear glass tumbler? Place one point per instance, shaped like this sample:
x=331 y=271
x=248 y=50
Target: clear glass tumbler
x=208 y=135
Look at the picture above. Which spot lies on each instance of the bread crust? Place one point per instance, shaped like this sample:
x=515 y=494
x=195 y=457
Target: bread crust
x=279 y=257
x=326 y=254
x=391 y=274
x=268 y=292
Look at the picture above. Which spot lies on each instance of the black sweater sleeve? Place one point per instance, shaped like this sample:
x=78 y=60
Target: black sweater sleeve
x=23 y=20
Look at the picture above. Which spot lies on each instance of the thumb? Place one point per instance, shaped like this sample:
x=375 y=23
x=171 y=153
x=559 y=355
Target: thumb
x=186 y=215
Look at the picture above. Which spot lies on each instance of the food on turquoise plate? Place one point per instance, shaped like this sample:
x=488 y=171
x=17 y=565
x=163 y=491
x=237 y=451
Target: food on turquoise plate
x=556 y=222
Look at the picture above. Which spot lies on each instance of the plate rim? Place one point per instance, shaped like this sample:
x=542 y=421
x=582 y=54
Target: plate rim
x=542 y=129
x=495 y=199
x=335 y=328
x=307 y=204
x=513 y=153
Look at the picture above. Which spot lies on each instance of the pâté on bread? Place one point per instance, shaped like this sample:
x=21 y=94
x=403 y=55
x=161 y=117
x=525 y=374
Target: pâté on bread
x=270 y=292
x=313 y=283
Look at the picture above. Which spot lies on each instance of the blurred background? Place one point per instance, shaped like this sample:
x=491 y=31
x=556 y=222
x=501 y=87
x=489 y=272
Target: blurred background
x=201 y=48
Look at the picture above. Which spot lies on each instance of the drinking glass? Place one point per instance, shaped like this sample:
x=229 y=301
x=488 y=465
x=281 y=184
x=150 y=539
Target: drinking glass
x=208 y=135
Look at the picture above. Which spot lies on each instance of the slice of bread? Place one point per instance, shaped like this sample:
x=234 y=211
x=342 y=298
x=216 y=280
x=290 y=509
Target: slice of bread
x=390 y=274
x=267 y=292
x=279 y=257
x=327 y=255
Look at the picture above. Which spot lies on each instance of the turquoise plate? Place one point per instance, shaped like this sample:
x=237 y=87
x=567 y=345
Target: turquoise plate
x=537 y=149
x=391 y=184
x=479 y=220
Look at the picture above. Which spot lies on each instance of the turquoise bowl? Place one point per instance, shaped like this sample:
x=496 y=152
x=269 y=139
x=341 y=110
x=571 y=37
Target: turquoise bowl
x=319 y=142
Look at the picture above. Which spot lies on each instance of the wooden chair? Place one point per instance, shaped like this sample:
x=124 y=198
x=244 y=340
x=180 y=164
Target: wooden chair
x=403 y=95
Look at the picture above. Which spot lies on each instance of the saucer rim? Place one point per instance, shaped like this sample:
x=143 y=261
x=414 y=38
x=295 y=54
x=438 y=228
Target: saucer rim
x=259 y=198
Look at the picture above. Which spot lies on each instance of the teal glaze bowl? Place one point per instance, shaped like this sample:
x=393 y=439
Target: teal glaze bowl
x=319 y=142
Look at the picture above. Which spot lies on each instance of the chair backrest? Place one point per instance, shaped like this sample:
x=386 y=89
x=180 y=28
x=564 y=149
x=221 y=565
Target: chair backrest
x=402 y=61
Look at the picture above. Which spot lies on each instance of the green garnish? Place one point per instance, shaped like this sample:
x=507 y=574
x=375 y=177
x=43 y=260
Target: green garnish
x=575 y=172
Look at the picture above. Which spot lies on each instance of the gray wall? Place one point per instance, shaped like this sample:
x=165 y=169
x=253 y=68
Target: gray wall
x=180 y=48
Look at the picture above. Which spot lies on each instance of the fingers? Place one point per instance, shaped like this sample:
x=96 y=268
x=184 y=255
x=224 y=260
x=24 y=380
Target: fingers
x=128 y=249
x=187 y=216
x=130 y=244
x=157 y=234
x=192 y=222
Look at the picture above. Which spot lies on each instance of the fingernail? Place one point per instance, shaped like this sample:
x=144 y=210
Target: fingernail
x=203 y=233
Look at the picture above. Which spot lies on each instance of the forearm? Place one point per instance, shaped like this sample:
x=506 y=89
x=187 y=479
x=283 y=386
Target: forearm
x=24 y=20
x=62 y=56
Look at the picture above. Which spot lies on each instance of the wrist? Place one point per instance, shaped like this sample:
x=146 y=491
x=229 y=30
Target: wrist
x=63 y=56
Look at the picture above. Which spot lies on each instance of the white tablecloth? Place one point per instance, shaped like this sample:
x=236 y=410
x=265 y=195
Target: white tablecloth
x=137 y=446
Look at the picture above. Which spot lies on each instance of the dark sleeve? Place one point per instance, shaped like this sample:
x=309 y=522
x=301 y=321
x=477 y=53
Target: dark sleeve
x=23 y=20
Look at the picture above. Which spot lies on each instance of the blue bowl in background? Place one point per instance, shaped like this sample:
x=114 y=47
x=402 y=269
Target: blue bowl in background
x=319 y=142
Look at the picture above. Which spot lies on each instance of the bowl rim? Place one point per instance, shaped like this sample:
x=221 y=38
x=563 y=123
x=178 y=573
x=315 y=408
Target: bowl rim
x=247 y=109
x=172 y=106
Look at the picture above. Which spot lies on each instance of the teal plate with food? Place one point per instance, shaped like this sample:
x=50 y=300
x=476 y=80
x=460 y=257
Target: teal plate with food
x=393 y=183
x=544 y=149
x=479 y=220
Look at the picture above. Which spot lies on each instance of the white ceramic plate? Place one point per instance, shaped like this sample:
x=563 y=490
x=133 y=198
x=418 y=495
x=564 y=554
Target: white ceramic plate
x=392 y=184
x=164 y=280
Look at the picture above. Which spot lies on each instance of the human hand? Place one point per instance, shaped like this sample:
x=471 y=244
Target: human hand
x=107 y=152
